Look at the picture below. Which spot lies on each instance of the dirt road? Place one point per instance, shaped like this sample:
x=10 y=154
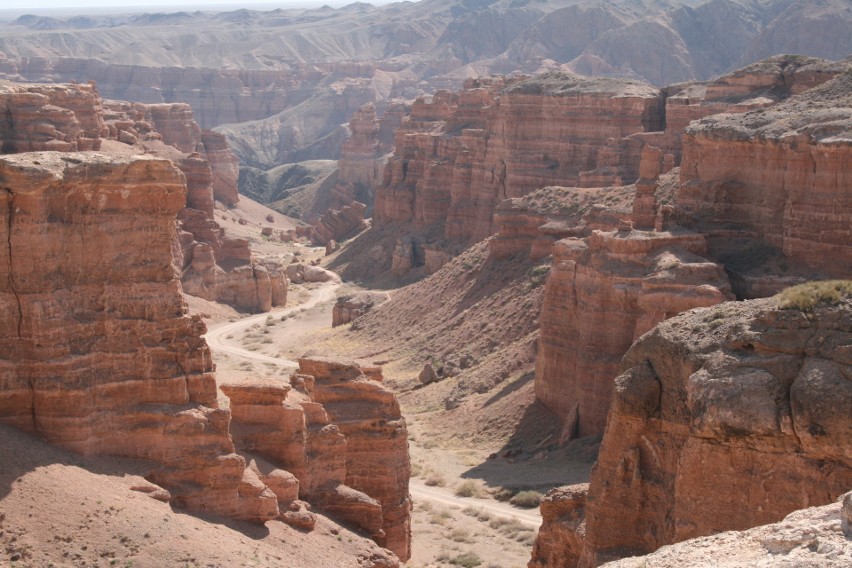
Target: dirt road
x=217 y=335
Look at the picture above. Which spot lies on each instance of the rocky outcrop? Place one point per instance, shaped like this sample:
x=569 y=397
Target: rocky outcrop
x=96 y=352
x=817 y=536
x=459 y=155
x=377 y=463
x=214 y=267
x=340 y=433
x=604 y=291
x=339 y=224
x=725 y=418
x=352 y=306
x=299 y=273
x=64 y=118
x=776 y=176
x=562 y=525
x=295 y=433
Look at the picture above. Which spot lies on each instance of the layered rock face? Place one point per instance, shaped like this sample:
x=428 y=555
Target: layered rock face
x=725 y=418
x=213 y=266
x=779 y=176
x=603 y=292
x=73 y=117
x=96 y=352
x=757 y=86
x=376 y=436
x=360 y=167
x=64 y=118
x=459 y=155
x=341 y=434
x=211 y=92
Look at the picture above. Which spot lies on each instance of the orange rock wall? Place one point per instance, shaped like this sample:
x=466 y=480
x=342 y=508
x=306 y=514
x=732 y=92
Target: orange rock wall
x=603 y=293
x=96 y=352
x=792 y=193
x=725 y=418
x=459 y=155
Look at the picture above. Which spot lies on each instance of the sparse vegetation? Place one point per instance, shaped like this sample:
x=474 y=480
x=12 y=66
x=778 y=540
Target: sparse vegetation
x=806 y=297
x=466 y=560
x=435 y=480
x=504 y=494
x=468 y=488
x=527 y=499
x=459 y=535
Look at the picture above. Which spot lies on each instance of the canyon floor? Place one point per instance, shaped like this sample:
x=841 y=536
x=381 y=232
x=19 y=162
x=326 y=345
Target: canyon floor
x=447 y=528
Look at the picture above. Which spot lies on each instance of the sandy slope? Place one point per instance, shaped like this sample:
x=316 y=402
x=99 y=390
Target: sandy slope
x=61 y=509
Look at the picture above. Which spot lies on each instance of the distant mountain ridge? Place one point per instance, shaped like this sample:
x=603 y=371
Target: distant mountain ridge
x=662 y=41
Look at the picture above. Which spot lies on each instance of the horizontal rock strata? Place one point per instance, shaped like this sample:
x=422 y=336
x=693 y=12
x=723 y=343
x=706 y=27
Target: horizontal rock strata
x=96 y=352
x=725 y=418
x=341 y=434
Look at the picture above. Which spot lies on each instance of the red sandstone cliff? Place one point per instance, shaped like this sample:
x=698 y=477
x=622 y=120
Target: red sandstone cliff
x=767 y=210
x=459 y=155
x=777 y=176
x=603 y=293
x=73 y=117
x=725 y=418
x=339 y=431
x=96 y=352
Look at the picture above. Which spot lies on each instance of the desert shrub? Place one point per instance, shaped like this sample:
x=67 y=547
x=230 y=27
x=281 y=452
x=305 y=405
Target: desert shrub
x=466 y=560
x=435 y=480
x=459 y=535
x=527 y=499
x=806 y=297
x=468 y=489
x=504 y=494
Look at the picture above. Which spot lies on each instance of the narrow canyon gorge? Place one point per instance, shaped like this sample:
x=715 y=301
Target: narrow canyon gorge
x=428 y=284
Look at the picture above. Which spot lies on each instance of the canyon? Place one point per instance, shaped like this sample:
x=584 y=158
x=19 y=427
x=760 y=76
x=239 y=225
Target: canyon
x=99 y=355
x=630 y=291
x=283 y=92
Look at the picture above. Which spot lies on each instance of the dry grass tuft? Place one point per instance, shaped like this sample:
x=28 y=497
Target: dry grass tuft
x=806 y=297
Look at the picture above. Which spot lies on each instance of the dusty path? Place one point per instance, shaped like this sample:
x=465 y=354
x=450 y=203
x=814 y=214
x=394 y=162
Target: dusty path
x=217 y=336
x=419 y=490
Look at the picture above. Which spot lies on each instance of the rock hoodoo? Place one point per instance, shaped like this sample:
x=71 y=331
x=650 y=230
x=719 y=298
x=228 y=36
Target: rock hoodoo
x=725 y=418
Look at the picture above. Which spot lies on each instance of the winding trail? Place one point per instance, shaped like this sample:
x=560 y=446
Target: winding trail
x=419 y=490
x=217 y=335
x=218 y=340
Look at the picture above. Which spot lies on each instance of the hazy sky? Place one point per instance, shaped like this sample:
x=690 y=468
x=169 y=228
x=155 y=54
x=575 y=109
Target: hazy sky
x=159 y=5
